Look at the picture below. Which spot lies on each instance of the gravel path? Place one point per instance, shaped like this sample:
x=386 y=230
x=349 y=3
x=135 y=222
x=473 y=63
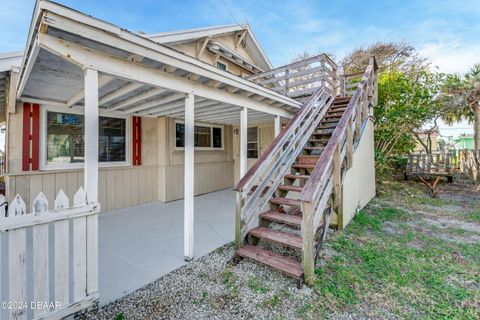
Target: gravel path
x=212 y=287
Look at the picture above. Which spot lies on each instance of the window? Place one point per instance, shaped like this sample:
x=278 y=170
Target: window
x=252 y=143
x=206 y=136
x=65 y=138
x=222 y=66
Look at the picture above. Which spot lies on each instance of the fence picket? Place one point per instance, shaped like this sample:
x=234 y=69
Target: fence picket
x=40 y=266
x=80 y=198
x=3 y=207
x=40 y=204
x=17 y=207
x=17 y=264
x=61 y=201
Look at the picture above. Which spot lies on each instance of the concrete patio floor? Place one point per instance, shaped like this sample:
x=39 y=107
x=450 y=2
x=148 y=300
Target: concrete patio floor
x=140 y=244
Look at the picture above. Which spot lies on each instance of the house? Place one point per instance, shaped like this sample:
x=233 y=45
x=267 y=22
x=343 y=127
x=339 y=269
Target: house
x=428 y=139
x=111 y=119
x=464 y=142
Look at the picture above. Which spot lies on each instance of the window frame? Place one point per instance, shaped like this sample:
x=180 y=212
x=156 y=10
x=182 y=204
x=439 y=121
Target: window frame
x=201 y=124
x=45 y=166
x=257 y=142
x=224 y=63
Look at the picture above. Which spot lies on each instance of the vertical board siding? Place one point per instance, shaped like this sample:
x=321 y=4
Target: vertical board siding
x=26 y=138
x=35 y=137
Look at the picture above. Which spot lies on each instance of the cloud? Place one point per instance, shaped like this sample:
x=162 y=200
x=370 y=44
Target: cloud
x=453 y=56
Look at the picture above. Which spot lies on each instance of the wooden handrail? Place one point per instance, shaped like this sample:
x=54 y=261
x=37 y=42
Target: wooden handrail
x=266 y=154
x=340 y=130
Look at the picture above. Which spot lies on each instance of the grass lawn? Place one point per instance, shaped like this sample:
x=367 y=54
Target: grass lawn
x=405 y=256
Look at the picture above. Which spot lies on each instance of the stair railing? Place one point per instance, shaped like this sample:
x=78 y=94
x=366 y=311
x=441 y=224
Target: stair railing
x=257 y=186
x=323 y=190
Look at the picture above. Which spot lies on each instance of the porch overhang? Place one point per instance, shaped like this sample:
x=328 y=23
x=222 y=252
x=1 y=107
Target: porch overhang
x=137 y=76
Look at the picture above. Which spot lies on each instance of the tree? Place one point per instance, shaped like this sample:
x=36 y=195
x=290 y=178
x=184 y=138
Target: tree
x=462 y=96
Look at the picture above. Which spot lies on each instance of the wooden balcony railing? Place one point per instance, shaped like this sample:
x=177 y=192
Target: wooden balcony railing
x=300 y=79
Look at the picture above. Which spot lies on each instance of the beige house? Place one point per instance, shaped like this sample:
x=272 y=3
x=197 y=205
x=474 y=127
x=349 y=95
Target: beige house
x=231 y=49
x=98 y=118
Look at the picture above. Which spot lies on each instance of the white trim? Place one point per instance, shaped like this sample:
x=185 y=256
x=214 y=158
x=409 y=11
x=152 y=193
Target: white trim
x=189 y=174
x=44 y=166
x=243 y=141
x=201 y=124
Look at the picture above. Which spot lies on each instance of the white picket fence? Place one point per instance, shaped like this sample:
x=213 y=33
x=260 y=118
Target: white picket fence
x=37 y=287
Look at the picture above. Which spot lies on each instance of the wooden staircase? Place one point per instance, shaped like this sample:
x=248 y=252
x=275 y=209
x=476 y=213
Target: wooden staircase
x=285 y=200
x=284 y=205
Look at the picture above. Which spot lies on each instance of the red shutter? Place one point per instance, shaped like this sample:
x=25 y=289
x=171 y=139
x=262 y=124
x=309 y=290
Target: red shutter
x=31 y=136
x=136 y=141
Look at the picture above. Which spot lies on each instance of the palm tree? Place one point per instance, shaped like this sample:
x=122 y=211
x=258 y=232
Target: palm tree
x=463 y=99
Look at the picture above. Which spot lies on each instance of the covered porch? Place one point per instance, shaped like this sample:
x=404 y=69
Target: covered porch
x=140 y=244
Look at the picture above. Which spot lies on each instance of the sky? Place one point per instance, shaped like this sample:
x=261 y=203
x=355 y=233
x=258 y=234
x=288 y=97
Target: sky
x=446 y=32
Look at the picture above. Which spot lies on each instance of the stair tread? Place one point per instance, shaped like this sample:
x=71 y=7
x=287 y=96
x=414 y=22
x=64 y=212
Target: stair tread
x=303 y=166
x=288 y=187
x=313 y=148
x=286 y=239
x=285 y=218
x=277 y=261
x=285 y=201
x=297 y=176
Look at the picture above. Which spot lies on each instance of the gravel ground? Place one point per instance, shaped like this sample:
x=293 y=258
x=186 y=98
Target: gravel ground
x=213 y=287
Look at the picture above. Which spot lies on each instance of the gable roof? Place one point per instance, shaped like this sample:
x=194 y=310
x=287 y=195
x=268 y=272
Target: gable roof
x=183 y=36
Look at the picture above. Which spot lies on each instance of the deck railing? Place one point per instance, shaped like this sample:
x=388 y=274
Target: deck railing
x=301 y=79
x=434 y=163
x=322 y=192
x=72 y=231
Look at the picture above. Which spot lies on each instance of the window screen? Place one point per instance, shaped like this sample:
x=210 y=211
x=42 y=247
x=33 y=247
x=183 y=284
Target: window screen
x=252 y=143
x=65 y=138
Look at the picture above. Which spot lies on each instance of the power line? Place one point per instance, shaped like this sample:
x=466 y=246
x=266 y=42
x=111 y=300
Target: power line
x=227 y=7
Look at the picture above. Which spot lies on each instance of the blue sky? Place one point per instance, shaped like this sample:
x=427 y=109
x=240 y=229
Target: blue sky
x=447 y=32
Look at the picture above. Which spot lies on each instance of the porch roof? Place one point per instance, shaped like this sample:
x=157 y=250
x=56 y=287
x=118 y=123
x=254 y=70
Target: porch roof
x=138 y=76
x=8 y=61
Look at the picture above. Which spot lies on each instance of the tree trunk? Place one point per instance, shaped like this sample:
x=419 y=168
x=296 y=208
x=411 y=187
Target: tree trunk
x=476 y=127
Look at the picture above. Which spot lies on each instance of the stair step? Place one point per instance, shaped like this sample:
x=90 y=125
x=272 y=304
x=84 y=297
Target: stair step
x=284 y=218
x=308 y=159
x=329 y=120
x=303 y=166
x=285 y=201
x=313 y=148
x=286 y=239
x=288 y=187
x=326 y=127
x=297 y=176
x=286 y=265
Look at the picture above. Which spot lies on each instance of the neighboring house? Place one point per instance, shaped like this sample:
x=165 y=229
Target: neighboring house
x=464 y=141
x=135 y=118
x=428 y=139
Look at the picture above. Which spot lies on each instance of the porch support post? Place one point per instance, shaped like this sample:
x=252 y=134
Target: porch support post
x=243 y=141
x=91 y=177
x=278 y=126
x=91 y=135
x=189 y=176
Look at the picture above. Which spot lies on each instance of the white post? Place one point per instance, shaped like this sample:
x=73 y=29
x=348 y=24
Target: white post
x=243 y=141
x=188 y=197
x=91 y=135
x=278 y=126
x=91 y=176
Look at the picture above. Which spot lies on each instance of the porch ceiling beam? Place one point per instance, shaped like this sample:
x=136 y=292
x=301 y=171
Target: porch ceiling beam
x=103 y=80
x=202 y=111
x=166 y=107
x=199 y=103
x=144 y=96
x=87 y=58
x=220 y=109
x=154 y=103
x=133 y=43
x=120 y=92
